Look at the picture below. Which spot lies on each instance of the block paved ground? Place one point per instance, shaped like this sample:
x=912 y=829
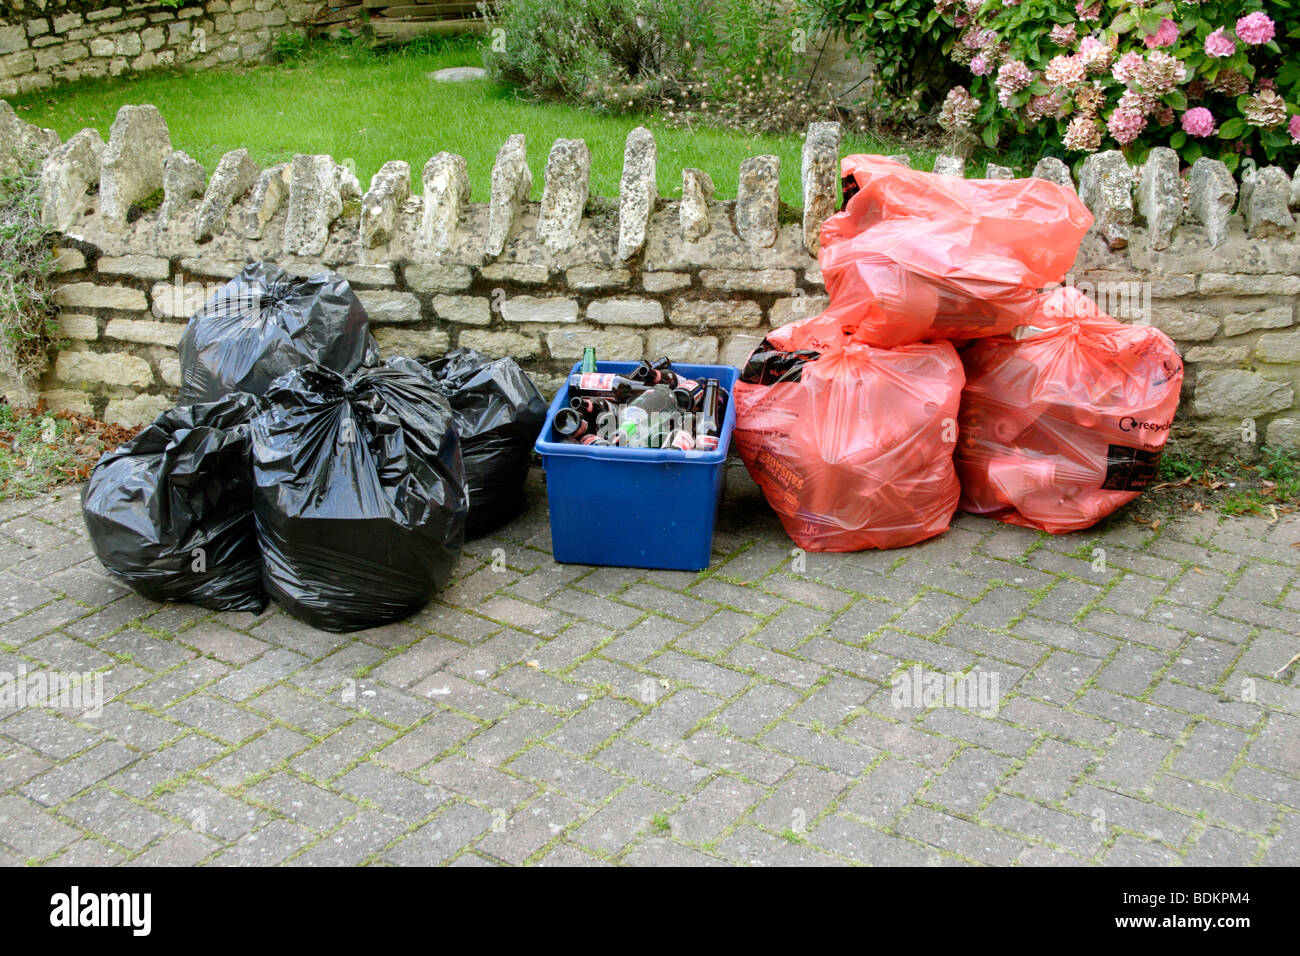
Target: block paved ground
x=561 y=715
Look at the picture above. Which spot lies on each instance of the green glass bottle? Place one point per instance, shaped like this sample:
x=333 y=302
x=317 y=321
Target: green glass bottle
x=589 y=359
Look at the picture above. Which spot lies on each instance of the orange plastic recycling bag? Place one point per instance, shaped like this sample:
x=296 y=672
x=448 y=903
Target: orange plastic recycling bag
x=852 y=445
x=1067 y=422
x=917 y=256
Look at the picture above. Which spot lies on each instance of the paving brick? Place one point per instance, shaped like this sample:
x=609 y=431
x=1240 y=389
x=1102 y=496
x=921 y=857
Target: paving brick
x=1130 y=814
x=117 y=819
x=209 y=811
x=530 y=828
x=980 y=843
x=417 y=747
x=508 y=736
x=258 y=756
x=786 y=669
x=1050 y=772
x=302 y=802
x=714 y=809
x=1213 y=804
x=1072 y=833
x=393 y=793
x=267 y=846
x=619 y=821
x=183 y=848
x=856 y=840
x=440 y=838
x=1216 y=847
x=651 y=766
x=33 y=832
x=658 y=852
x=80 y=773
x=357 y=840
x=753 y=847
x=1210 y=750
x=827 y=750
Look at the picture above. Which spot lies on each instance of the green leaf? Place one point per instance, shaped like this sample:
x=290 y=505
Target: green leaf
x=1231 y=160
x=1149 y=20
x=990 y=136
x=1176 y=141
x=1233 y=128
x=1177 y=99
x=1125 y=22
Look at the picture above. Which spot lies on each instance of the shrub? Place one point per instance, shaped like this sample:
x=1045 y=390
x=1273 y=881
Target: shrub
x=1219 y=78
x=735 y=63
x=27 y=323
x=907 y=40
x=576 y=48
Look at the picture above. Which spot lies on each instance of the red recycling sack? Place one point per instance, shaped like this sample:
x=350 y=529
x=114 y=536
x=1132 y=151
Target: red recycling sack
x=852 y=445
x=917 y=256
x=1066 y=423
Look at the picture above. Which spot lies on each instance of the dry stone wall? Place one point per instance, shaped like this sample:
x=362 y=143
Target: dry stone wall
x=1212 y=260
x=44 y=42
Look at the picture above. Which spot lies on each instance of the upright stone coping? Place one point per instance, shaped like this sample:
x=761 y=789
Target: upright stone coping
x=1106 y=187
x=389 y=190
x=693 y=214
x=512 y=181
x=758 y=200
x=1160 y=196
x=315 y=202
x=638 y=190
x=820 y=171
x=1265 y=196
x=446 y=192
x=67 y=174
x=1054 y=171
x=564 y=195
x=28 y=144
x=131 y=166
x=235 y=175
x=184 y=178
x=1212 y=192
x=270 y=193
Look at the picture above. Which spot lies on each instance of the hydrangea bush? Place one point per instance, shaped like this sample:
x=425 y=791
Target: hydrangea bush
x=1217 y=79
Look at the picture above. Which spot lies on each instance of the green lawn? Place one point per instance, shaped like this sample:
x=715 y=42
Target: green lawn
x=371 y=107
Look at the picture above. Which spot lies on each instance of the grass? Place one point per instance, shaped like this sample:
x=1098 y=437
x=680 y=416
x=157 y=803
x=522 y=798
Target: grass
x=369 y=107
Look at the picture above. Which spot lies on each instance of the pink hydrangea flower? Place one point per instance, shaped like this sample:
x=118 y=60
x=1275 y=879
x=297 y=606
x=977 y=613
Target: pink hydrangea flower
x=1165 y=116
x=1165 y=35
x=1255 y=28
x=1294 y=129
x=1065 y=70
x=1095 y=54
x=1218 y=44
x=1126 y=68
x=1198 y=121
x=980 y=66
x=1062 y=34
x=1082 y=134
x=1125 y=125
x=1086 y=11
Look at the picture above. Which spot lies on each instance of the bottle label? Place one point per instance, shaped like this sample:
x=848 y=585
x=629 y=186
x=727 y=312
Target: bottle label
x=682 y=440
x=596 y=381
x=706 y=442
x=1130 y=469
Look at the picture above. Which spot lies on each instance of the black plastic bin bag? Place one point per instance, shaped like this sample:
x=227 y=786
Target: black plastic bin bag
x=171 y=512
x=359 y=494
x=263 y=323
x=499 y=414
